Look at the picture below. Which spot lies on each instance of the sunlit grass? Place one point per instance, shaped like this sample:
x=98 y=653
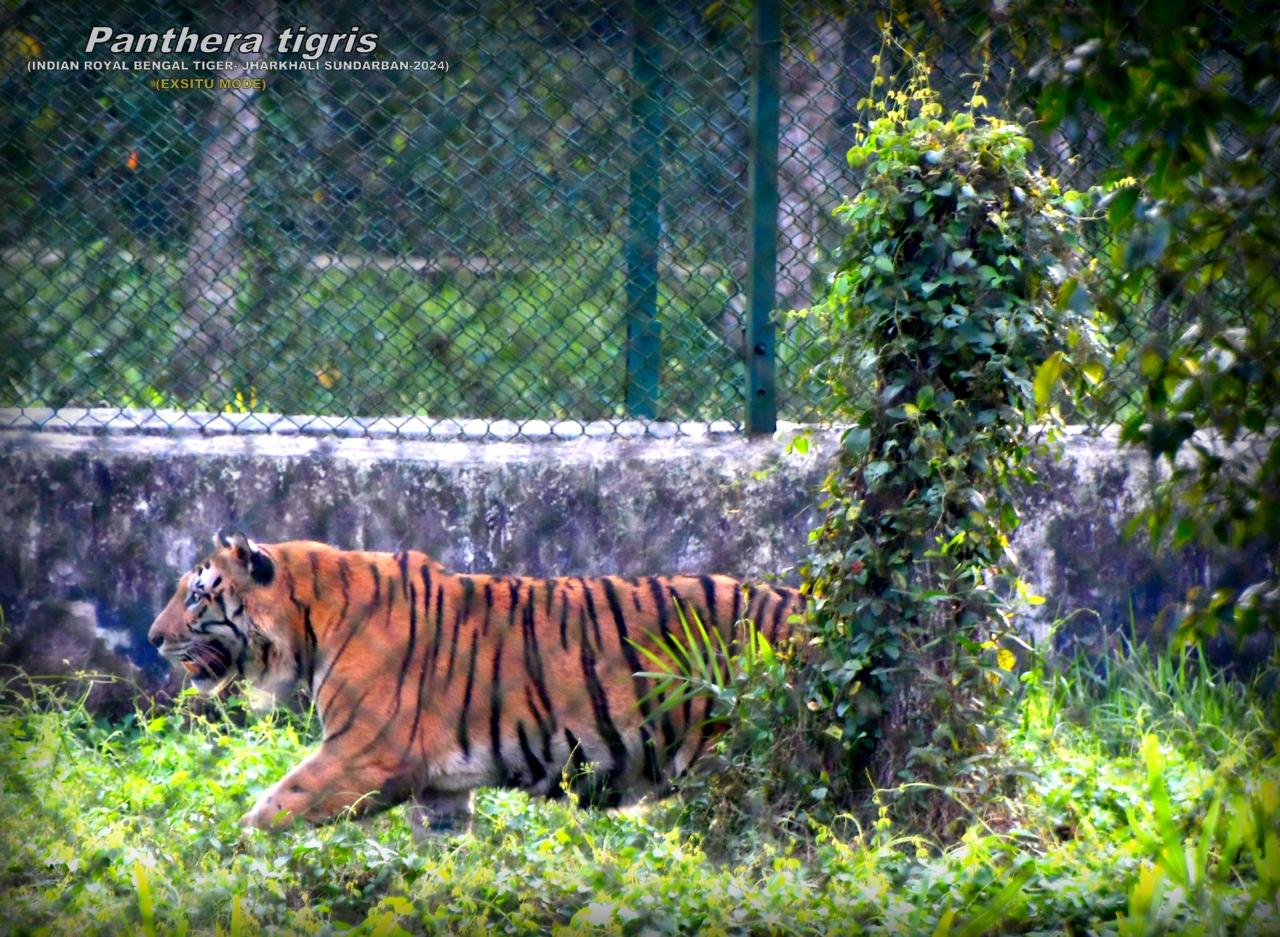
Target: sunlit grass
x=1147 y=802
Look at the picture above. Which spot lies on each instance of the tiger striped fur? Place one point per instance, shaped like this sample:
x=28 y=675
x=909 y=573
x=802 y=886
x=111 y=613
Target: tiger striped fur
x=430 y=684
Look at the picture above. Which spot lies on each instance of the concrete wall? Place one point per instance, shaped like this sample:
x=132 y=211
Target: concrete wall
x=97 y=528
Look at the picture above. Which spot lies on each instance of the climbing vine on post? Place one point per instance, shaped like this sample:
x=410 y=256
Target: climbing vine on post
x=956 y=310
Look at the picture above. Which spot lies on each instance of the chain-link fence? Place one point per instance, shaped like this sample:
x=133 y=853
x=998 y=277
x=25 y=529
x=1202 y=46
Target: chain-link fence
x=521 y=219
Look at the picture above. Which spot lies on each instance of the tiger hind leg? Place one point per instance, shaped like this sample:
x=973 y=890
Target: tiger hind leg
x=439 y=813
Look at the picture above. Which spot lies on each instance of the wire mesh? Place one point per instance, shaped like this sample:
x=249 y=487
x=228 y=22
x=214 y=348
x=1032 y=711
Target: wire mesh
x=460 y=250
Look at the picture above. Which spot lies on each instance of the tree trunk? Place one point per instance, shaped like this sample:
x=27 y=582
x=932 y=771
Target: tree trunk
x=212 y=279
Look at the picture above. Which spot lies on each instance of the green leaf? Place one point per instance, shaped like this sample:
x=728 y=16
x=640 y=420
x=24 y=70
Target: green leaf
x=1073 y=202
x=1122 y=205
x=146 y=908
x=856 y=440
x=876 y=470
x=1046 y=376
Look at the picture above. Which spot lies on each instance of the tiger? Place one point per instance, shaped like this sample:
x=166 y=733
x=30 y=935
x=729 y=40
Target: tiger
x=430 y=684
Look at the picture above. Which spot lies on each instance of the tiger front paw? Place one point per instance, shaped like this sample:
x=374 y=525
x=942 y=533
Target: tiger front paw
x=267 y=814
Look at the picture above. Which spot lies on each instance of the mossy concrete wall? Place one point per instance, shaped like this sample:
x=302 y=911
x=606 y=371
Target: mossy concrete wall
x=101 y=526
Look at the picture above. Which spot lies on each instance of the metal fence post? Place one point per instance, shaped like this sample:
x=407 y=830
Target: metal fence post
x=762 y=407
x=643 y=223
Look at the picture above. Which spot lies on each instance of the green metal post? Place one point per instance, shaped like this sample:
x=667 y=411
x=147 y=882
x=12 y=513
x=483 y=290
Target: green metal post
x=643 y=228
x=762 y=408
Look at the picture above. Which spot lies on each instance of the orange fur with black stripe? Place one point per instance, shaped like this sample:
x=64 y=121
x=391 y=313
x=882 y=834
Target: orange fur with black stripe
x=430 y=684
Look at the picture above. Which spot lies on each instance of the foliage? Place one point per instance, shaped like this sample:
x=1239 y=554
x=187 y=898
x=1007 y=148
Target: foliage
x=955 y=311
x=407 y=344
x=1186 y=95
x=109 y=828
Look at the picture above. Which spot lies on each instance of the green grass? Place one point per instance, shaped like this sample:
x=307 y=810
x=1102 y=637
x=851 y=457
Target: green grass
x=1147 y=801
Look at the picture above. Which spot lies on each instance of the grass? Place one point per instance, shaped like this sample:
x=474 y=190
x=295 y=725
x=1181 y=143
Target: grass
x=1147 y=802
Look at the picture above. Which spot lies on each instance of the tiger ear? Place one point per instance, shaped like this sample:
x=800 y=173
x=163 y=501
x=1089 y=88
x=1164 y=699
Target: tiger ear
x=246 y=556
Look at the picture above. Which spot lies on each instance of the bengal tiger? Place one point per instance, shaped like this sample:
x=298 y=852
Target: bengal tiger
x=430 y=684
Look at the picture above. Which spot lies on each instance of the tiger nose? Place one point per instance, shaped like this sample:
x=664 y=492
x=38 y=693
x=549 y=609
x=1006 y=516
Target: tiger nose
x=156 y=638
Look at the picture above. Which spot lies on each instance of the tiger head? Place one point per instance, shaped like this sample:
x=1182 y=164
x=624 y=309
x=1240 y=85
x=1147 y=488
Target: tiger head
x=208 y=628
